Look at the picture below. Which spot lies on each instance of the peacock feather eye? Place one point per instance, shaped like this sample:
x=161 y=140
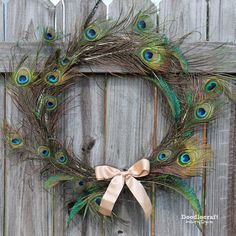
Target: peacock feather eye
x=184 y=159
x=49 y=35
x=142 y=24
x=53 y=78
x=98 y=201
x=92 y=33
x=201 y=112
x=204 y=111
x=44 y=152
x=61 y=158
x=148 y=55
x=153 y=57
x=14 y=140
x=163 y=155
x=64 y=61
x=23 y=77
x=51 y=103
x=213 y=87
x=81 y=183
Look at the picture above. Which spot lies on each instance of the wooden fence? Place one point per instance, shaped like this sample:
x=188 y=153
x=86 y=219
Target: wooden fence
x=126 y=118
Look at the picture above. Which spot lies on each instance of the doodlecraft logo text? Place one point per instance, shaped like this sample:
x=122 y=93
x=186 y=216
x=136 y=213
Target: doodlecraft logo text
x=200 y=219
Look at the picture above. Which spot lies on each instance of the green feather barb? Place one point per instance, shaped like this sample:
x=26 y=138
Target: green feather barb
x=186 y=191
x=52 y=181
x=169 y=94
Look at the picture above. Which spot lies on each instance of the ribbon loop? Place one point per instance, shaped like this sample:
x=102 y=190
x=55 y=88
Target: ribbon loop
x=119 y=178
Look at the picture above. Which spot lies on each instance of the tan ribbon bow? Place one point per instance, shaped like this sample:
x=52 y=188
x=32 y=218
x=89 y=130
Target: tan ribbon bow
x=119 y=178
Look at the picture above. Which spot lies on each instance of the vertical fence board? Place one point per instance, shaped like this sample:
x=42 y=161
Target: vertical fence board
x=2 y=161
x=27 y=205
x=178 y=18
x=2 y=166
x=85 y=121
x=222 y=21
x=1 y=21
x=220 y=183
x=129 y=128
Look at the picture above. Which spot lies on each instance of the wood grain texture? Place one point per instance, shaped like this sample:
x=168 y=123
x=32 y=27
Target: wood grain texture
x=220 y=195
x=181 y=17
x=84 y=119
x=129 y=129
x=2 y=160
x=27 y=204
x=177 y=18
x=2 y=151
x=1 y=21
x=222 y=21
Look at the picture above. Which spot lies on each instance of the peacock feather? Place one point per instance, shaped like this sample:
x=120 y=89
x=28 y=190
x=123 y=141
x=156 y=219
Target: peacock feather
x=142 y=23
x=23 y=77
x=54 y=180
x=186 y=191
x=183 y=158
x=171 y=97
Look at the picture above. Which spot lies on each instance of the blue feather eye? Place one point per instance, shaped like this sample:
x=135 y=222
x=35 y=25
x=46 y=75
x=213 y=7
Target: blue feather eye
x=91 y=33
x=64 y=61
x=184 y=159
x=151 y=57
x=161 y=156
x=204 y=112
x=49 y=34
x=51 y=103
x=148 y=55
x=81 y=183
x=16 y=141
x=52 y=79
x=61 y=158
x=44 y=151
x=201 y=112
x=211 y=85
x=98 y=201
x=164 y=155
x=23 y=77
x=142 y=24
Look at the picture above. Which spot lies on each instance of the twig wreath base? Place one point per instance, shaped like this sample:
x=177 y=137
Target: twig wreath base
x=133 y=43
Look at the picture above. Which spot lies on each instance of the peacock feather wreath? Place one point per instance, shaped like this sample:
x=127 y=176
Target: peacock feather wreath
x=40 y=94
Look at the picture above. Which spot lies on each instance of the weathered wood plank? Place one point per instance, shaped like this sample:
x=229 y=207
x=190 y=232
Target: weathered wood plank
x=1 y=21
x=220 y=195
x=27 y=204
x=129 y=129
x=178 y=18
x=222 y=21
x=2 y=161
x=85 y=120
x=2 y=151
x=225 y=52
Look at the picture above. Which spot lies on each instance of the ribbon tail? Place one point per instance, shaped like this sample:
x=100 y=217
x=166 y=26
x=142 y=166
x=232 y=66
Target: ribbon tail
x=111 y=195
x=140 y=194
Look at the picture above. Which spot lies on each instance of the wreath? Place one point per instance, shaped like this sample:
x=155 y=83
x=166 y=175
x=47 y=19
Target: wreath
x=39 y=88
